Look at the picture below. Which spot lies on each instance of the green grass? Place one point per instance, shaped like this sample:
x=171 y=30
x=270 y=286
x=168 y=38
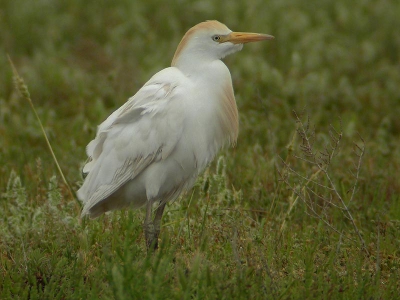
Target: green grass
x=239 y=233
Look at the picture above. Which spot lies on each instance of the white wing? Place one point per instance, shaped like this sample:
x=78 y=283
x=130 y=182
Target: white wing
x=144 y=130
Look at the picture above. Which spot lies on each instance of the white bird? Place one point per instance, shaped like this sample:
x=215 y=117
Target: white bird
x=154 y=146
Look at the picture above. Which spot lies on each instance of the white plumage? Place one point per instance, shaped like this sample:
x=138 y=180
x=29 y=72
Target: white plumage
x=154 y=146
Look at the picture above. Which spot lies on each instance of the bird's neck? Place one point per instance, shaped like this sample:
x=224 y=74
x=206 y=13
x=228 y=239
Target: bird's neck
x=198 y=67
x=193 y=62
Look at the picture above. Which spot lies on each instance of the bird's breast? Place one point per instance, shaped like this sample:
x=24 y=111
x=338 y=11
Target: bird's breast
x=211 y=113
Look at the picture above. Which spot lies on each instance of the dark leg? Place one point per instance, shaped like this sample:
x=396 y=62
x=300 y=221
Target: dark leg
x=157 y=222
x=149 y=232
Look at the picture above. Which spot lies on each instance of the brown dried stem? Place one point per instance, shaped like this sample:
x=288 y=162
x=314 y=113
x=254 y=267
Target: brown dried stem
x=320 y=196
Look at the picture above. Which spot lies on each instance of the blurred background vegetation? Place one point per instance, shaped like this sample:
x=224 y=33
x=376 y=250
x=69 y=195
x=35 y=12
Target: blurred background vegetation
x=338 y=61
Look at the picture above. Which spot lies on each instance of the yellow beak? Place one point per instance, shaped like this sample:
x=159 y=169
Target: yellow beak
x=245 y=37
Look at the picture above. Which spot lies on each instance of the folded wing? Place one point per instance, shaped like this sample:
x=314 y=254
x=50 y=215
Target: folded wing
x=144 y=130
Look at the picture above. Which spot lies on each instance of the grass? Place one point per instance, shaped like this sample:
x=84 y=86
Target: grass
x=240 y=233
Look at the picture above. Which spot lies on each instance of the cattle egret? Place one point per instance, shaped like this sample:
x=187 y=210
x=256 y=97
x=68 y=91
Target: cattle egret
x=154 y=146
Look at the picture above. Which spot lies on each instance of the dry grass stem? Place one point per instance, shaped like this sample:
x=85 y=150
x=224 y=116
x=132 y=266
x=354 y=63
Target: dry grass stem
x=319 y=191
x=22 y=88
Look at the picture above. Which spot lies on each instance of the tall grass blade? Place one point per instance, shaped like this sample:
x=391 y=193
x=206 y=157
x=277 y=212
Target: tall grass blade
x=22 y=88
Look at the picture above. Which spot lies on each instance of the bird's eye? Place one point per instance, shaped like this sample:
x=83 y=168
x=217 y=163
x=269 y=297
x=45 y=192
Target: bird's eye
x=216 y=38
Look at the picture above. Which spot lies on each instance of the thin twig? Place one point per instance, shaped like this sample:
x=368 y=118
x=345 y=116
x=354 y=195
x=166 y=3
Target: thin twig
x=358 y=168
x=308 y=179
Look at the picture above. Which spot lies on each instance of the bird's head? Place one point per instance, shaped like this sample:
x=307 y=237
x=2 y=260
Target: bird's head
x=211 y=40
